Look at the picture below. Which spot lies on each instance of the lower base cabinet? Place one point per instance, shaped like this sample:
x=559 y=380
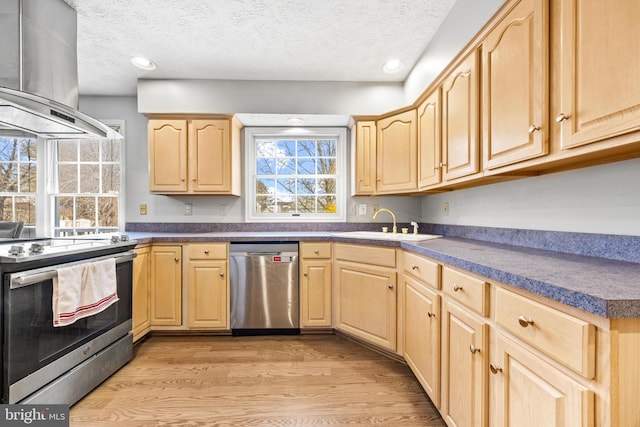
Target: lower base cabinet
x=208 y=296
x=141 y=317
x=528 y=392
x=166 y=289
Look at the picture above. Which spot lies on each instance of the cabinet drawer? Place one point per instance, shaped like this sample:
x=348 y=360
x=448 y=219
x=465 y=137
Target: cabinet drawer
x=208 y=251
x=422 y=269
x=567 y=339
x=472 y=292
x=315 y=249
x=374 y=255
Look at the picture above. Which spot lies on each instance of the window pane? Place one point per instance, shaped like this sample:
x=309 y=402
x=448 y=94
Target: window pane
x=326 y=166
x=306 y=148
x=108 y=211
x=306 y=166
x=327 y=148
x=265 y=148
x=265 y=186
x=307 y=204
x=326 y=186
x=65 y=211
x=111 y=178
x=286 y=167
x=89 y=178
x=68 y=178
x=89 y=150
x=286 y=186
x=265 y=204
x=285 y=204
x=8 y=147
x=9 y=178
x=6 y=208
x=286 y=148
x=111 y=151
x=266 y=166
x=67 y=151
x=327 y=204
x=306 y=186
x=26 y=210
x=28 y=178
x=85 y=212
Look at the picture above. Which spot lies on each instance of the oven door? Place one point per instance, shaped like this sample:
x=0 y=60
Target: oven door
x=34 y=351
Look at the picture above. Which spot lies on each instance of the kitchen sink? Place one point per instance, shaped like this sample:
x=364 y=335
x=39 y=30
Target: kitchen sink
x=378 y=235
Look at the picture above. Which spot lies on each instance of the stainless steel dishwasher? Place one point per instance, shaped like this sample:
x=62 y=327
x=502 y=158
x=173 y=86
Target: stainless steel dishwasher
x=264 y=288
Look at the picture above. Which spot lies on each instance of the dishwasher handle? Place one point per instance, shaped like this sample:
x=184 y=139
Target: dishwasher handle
x=249 y=254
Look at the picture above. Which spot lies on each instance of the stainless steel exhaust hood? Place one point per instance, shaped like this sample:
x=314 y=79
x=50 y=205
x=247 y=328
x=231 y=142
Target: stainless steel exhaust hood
x=39 y=72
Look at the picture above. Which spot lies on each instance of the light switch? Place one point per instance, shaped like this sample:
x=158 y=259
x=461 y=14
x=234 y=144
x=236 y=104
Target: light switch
x=362 y=209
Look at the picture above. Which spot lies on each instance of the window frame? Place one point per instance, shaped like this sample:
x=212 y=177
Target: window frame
x=251 y=134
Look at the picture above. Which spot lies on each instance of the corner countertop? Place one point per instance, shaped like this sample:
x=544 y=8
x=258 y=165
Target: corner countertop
x=604 y=287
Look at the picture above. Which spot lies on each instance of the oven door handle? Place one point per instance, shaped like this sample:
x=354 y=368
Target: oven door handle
x=29 y=277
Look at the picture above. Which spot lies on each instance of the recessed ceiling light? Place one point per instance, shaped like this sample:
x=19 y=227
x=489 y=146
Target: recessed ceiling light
x=144 y=63
x=295 y=120
x=392 y=66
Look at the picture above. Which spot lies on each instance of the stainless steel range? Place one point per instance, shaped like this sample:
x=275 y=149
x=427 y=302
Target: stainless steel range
x=43 y=363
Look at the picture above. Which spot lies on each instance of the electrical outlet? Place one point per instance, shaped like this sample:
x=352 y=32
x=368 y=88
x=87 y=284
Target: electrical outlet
x=188 y=208
x=445 y=208
x=143 y=209
x=362 y=209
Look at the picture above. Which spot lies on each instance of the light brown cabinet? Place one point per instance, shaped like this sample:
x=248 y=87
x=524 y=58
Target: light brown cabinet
x=141 y=319
x=430 y=140
x=364 y=158
x=194 y=156
x=166 y=285
x=515 y=86
x=396 y=153
x=599 y=86
x=366 y=271
x=208 y=286
x=460 y=119
x=315 y=285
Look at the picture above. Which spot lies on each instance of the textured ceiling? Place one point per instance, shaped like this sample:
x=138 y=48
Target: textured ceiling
x=323 y=40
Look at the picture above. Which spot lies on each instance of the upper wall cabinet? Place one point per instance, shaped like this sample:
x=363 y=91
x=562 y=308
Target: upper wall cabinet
x=515 y=86
x=600 y=70
x=396 y=151
x=460 y=116
x=364 y=158
x=429 y=141
x=194 y=156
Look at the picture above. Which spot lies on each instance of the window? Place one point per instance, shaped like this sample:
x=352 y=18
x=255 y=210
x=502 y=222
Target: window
x=85 y=195
x=18 y=180
x=297 y=174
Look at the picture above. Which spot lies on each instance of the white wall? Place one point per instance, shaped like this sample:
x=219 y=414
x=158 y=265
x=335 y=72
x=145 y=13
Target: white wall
x=600 y=199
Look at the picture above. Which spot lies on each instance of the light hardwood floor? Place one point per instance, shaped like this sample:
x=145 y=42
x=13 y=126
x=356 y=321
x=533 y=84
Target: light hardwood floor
x=307 y=380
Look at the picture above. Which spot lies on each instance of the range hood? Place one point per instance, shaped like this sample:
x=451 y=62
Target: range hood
x=39 y=72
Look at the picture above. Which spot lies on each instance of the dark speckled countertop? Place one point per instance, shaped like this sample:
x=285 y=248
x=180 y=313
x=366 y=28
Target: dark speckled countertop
x=604 y=287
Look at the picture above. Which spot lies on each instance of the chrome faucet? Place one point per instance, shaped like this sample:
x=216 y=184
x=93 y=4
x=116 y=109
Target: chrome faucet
x=395 y=228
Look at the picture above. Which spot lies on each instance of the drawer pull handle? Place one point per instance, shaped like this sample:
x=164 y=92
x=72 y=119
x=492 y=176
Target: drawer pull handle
x=457 y=288
x=415 y=267
x=494 y=369
x=473 y=349
x=390 y=286
x=430 y=314
x=525 y=321
x=206 y=251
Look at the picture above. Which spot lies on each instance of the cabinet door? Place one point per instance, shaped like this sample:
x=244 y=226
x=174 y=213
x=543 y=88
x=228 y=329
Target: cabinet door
x=167 y=155
x=422 y=335
x=599 y=80
x=208 y=295
x=429 y=141
x=460 y=117
x=166 y=290
x=515 y=86
x=141 y=317
x=210 y=156
x=315 y=293
x=364 y=156
x=527 y=392
x=366 y=303
x=464 y=370
x=396 y=151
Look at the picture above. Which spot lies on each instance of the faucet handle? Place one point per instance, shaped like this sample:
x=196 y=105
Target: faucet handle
x=415 y=227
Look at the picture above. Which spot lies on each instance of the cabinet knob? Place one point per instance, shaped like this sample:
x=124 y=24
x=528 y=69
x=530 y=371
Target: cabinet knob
x=222 y=274
x=316 y=251
x=305 y=274
x=206 y=251
x=176 y=259
x=525 y=321
x=494 y=368
x=415 y=267
x=390 y=286
x=473 y=349
x=533 y=129
x=430 y=314
x=457 y=288
x=561 y=117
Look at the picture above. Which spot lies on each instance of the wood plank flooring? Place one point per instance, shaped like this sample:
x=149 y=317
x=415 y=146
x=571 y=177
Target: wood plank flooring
x=307 y=380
